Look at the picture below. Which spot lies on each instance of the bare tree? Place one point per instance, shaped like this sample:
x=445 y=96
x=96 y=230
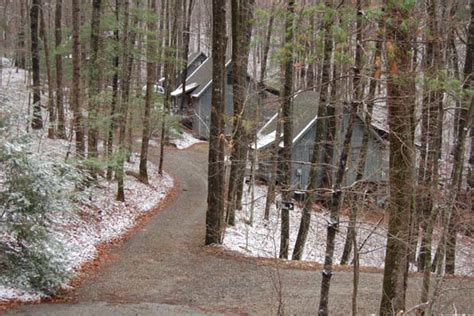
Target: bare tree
x=241 y=33
x=321 y=126
x=61 y=126
x=287 y=110
x=37 y=121
x=150 y=82
x=51 y=111
x=94 y=73
x=401 y=166
x=215 y=210
x=76 y=81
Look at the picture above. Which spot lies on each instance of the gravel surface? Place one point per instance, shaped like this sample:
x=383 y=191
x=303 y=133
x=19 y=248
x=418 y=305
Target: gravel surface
x=164 y=270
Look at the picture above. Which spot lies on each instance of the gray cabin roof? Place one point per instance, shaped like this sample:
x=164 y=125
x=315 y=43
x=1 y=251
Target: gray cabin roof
x=305 y=112
x=193 y=56
x=201 y=78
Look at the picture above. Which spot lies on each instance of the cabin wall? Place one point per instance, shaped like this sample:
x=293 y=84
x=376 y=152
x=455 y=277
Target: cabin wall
x=376 y=168
x=203 y=109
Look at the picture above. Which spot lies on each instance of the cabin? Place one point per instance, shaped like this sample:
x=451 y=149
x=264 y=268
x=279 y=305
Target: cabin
x=195 y=104
x=305 y=108
x=194 y=61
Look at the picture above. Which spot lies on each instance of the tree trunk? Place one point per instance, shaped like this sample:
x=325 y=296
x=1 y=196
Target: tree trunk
x=266 y=45
x=316 y=152
x=274 y=171
x=61 y=125
x=37 y=121
x=150 y=82
x=337 y=197
x=115 y=88
x=241 y=33
x=20 y=59
x=94 y=79
x=215 y=211
x=51 y=111
x=76 y=81
x=170 y=81
x=287 y=112
x=363 y=150
x=186 y=36
x=123 y=106
x=464 y=121
x=398 y=39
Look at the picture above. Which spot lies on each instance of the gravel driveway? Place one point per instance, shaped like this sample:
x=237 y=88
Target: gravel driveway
x=164 y=270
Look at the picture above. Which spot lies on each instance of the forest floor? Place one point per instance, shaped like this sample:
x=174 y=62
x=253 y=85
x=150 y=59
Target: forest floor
x=164 y=269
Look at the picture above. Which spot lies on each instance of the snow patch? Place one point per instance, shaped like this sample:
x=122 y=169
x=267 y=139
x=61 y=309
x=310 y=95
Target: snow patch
x=185 y=140
x=262 y=238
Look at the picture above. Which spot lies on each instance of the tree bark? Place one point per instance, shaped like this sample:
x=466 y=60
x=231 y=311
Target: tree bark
x=186 y=36
x=337 y=196
x=287 y=112
x=401 y=174
x=115 y=88
x=37 y=121
x=465 y=120
x=170 y=81
x=94 y=76
x=123 y=106
x=76 y=81
x=274 y=171
x=61 y=125
x=150 y=82
x=266 y=45
x=317 y=146
x=215 y=211
x=51 y=111
x=241 y=33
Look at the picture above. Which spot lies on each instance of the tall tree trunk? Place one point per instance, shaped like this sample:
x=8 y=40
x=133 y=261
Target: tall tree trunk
x=274 y=168
x=123 y=105
x=398 y=39
x=337 y=197
x=266 y=45
x=37 y=121
x=163 y=37
x=186 y=36
x=61 y=125
x=466 y=121
x=348 y=244
x=241 y=33
x=115 y=88
x=215 y=211
x=51 y=111
x=20 y=59
x=287 y=113
x=317 y=146
x=150 y=82
x=76 y=81
x=170 y=81
x=94 y=80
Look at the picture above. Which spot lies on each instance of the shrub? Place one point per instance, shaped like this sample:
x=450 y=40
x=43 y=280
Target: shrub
x=36 y=194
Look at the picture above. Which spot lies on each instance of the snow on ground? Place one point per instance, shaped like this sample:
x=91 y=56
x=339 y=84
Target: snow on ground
x=181 y=141
x=262 y=239
x=101 y=218
x=185 y=140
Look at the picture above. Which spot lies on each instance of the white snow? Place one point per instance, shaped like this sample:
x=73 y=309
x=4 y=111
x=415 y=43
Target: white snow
x=7 y=293
x=187 y=88
x=264 y=140
x=100 y=217
x=185 y=140
x=262 y=239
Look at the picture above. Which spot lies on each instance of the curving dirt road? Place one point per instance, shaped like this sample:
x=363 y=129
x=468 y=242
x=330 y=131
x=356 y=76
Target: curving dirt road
x=164 y=270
